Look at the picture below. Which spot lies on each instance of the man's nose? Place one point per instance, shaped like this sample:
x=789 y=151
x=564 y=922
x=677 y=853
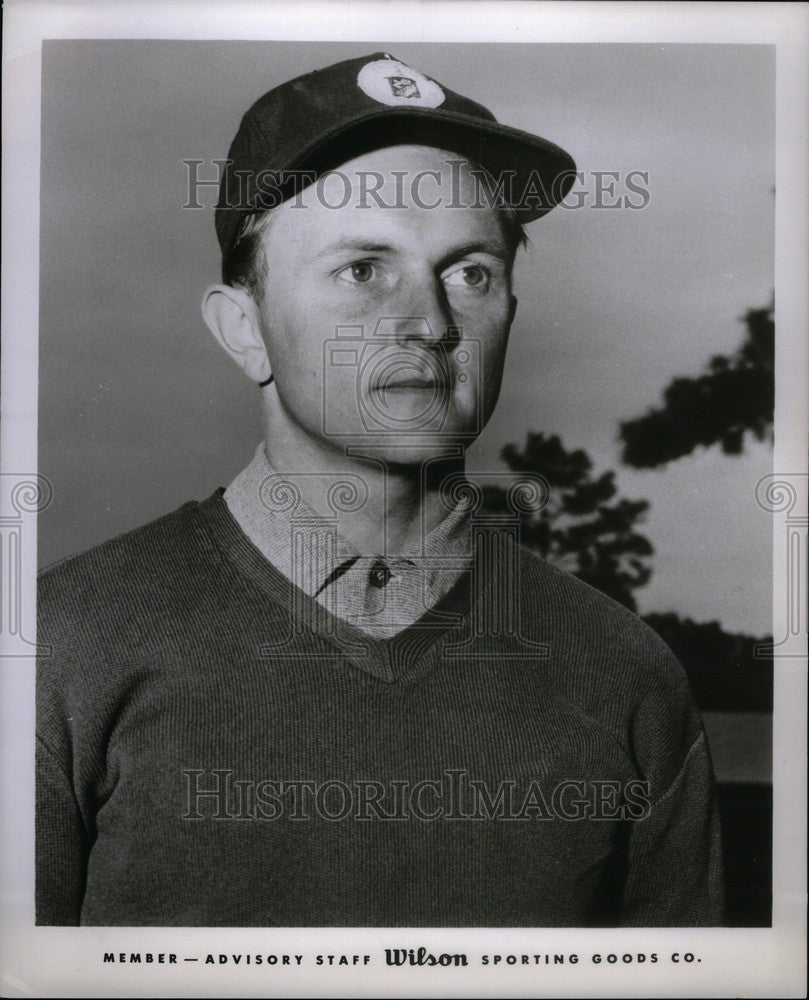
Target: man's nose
x=423 y=317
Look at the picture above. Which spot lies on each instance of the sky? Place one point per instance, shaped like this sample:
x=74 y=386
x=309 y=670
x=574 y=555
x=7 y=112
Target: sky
x=140 y=410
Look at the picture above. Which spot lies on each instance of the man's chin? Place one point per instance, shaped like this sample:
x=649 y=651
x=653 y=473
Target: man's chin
x=409 y=450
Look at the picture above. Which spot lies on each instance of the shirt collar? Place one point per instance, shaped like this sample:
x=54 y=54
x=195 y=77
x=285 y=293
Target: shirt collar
x=308 y=548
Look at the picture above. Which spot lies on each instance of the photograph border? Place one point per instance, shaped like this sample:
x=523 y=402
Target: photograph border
x=50 y=961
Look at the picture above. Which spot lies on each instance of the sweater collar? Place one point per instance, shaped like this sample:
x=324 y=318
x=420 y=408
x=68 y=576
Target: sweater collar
x=311 y=632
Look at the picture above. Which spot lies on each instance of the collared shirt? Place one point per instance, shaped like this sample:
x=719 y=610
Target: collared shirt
x=380 y=594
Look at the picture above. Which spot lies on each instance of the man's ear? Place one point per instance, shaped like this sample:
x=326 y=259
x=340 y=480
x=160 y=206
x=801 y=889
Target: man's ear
x=232 y=317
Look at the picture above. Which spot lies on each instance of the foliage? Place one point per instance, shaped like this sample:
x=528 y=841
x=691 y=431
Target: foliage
x=733 y=398
x=724 y=672
x=583 y=526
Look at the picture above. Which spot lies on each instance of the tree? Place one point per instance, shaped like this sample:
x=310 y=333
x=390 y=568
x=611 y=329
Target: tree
x=733 y=398
x=722 y=667
x=582 y=525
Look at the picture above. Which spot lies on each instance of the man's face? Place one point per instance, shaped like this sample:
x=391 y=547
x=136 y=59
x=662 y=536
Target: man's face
x=387 y=327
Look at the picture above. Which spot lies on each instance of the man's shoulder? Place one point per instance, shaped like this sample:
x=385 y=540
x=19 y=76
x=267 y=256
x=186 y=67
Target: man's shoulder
x=129 y=546
x=602 y=638
x=112 y=615
x=144 y=565
x=549 y=590
x=608 y=664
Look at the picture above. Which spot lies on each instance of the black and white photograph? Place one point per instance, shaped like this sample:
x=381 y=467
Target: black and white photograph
x=406 y=579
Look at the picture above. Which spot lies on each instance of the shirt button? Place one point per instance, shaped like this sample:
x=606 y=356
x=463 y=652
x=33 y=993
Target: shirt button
x=379 y=574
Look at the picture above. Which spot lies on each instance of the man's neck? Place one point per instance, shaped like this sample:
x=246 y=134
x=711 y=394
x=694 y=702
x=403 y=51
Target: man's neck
x=385 y=506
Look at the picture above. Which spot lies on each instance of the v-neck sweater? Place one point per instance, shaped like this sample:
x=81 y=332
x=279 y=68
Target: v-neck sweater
x=215 y=749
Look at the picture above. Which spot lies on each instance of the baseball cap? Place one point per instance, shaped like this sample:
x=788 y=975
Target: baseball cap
x=307 y=126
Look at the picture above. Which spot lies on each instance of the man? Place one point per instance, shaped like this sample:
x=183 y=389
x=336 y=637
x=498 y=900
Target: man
x=335 y=693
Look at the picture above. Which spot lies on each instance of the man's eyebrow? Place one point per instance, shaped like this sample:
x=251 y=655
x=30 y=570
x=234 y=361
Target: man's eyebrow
x=354 y=246
x=495 y=249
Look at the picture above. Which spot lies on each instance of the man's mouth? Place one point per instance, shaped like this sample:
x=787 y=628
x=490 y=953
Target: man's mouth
x=412 y=375
x=427 y=382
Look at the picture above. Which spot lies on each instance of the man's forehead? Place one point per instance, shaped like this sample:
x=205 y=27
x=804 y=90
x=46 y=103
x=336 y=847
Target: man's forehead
x=409 y=171
x=398 y=182
x=379 y=204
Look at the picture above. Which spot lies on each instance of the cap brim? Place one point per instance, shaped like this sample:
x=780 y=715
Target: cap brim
x=536 y=174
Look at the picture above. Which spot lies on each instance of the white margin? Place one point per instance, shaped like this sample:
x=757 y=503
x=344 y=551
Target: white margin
x=735 y=962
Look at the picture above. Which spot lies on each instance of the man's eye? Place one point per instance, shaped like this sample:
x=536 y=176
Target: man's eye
x=357 y=274
x=469 y=276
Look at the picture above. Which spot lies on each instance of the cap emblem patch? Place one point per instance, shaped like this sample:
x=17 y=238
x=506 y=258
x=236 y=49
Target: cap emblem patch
x=403 y=86
x=390 y=82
